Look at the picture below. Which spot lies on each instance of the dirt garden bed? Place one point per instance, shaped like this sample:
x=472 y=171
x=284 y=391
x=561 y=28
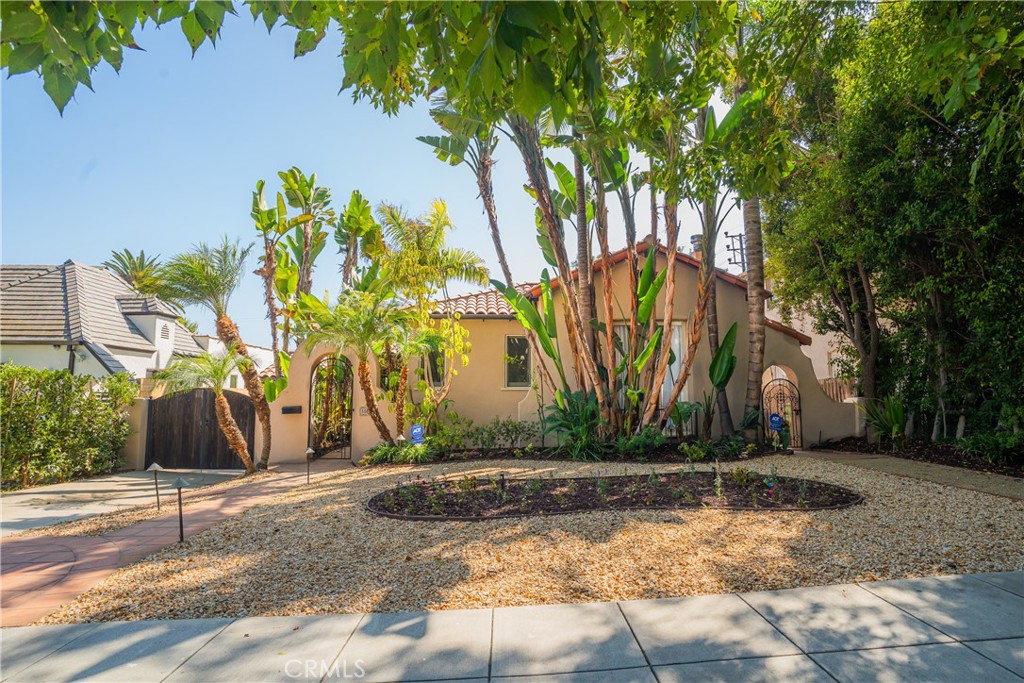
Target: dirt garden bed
x=318 y=550
x=471 y=498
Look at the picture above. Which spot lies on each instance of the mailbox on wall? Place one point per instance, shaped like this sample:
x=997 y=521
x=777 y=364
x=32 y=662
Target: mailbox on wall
x=291 y=410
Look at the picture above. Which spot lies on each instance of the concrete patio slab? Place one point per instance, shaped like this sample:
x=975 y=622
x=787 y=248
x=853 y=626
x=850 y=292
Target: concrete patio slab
x=788 y=669
x=643 y=675
x=1008 y=652
x=555 y=639
x=957 y=605
x=42 y=506
x=276 y=649
x=681 y=630
x=418 y=646
x=136 y=652
x=936 y=663
x=844 y=617
x=1008 y=581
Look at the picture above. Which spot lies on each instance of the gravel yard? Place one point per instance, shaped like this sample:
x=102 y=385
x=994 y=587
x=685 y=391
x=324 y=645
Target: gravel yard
x=316 y=550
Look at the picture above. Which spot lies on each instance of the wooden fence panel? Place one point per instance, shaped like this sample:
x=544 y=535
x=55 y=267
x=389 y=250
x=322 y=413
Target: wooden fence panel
x=183 y=432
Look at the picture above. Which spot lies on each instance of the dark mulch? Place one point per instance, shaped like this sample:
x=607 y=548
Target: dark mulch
x=473 y=498
x=923 y=451
x=667 y=453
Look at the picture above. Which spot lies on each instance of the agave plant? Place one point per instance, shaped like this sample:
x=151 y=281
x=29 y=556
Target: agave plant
x=887 y=416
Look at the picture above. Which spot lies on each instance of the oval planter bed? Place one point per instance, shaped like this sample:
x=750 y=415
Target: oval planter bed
x=471 y=498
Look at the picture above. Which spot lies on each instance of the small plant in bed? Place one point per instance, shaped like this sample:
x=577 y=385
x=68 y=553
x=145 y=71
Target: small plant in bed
x=470 y=498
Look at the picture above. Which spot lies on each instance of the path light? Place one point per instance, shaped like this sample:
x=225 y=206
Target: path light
x=154 y=468
x=180 y=483
x=310 y=454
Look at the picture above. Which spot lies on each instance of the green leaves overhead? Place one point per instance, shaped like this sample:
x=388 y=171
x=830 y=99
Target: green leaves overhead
x=64 y=42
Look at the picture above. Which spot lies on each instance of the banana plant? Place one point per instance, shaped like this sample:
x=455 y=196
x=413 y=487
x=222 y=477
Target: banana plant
x=719 y=372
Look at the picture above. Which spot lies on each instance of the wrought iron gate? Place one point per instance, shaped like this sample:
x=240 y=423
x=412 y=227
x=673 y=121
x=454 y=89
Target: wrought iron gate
x=182 y=430
x=330 y=407
x=781 y=397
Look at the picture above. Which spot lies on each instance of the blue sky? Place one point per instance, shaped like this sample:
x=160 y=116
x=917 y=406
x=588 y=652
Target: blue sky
x=167 y=153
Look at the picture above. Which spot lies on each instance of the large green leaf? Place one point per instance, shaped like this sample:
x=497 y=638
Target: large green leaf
x=724 y=363
x=648 y=350
x=646 y=306
x=450 y=149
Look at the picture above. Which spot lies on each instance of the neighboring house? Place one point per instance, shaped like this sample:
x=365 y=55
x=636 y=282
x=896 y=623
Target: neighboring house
x=500 y=380
x=87 y=320
x=261 y=356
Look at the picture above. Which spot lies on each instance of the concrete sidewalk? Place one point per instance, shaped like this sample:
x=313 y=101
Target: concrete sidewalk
x=953 y=628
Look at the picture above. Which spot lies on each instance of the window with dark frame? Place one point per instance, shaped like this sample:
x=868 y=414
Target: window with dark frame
x=517 y=363
x=434 y=370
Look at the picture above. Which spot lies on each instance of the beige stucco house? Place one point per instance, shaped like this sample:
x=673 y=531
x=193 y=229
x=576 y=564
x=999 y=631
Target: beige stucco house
x=493 y=386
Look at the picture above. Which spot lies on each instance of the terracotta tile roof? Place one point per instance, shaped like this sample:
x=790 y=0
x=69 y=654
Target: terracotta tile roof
x=75 y=303
x=489 y=303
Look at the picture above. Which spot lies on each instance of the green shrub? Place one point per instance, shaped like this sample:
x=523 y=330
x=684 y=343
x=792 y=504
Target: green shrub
x=505 y=433
x=1001 y=448
x=639 y=446
x=55 y=426
x=887 y=417
x=726 y=447
x=697 y=451
x=396 y=454
x=577 y=422
x=451 y=433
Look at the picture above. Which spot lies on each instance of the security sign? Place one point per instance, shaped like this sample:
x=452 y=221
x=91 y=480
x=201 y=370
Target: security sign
x=775 y=422
x=416 y=433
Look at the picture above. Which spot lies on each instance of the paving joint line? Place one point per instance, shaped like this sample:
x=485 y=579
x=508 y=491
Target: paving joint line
x=792 y=642
x=650 y=666
x=343 y=646
x=196 y=651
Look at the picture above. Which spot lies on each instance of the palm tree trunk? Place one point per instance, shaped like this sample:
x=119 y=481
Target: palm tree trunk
x=371 y=401
x=403 y=384
x=708 y=252
x=584 y=262
x=267 y=273
x=755 y=311
x=486 y=187
x=231 y=431
x=227 y=331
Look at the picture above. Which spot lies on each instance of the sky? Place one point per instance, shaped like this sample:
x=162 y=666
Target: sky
x=167 y=153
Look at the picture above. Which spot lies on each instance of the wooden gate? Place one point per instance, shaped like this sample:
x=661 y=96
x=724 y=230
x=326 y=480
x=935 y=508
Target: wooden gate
x=183 y=432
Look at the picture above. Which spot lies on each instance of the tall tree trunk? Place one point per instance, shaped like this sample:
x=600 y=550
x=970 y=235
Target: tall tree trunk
x=231 y=432
x=755 y=311
x=708 y=256
x=403 y=383
x=267 y=273
x=654 y=213
x=527 y=139
x=351 y=257
x=371 y=402
x=486 y=187
x=601 y=214
x=629 y=219
x=227 y=331
x=306 y=267
x=584 y=260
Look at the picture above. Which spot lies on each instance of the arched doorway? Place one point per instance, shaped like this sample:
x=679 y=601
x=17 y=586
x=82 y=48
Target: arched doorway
x=780 y=397
x=330 y=407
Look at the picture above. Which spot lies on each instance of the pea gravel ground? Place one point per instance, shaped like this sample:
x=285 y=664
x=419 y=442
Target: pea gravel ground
x=316 y=550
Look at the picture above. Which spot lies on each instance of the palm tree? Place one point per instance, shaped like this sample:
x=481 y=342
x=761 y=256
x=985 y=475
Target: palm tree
x=207 y=276
x=360 y=322
x=138 y=270
x=207 y=371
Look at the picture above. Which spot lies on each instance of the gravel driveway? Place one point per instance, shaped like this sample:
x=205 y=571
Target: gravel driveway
x=316 y=550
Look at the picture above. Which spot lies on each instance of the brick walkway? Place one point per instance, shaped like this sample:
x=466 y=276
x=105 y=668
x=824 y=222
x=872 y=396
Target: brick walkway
x=39 y=574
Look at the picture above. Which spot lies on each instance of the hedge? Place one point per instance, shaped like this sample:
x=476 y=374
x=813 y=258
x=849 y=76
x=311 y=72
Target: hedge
x=55 y=426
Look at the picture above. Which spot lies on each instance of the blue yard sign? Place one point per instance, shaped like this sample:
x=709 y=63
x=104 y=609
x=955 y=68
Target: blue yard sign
x=416 y=433
x=775 y=422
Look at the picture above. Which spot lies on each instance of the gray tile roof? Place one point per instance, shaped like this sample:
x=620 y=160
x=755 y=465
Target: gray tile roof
x=75 y=303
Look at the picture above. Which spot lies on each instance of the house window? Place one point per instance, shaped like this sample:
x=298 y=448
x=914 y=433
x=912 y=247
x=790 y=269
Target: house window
x=434 y=368
x=233 y=382
x=517 y=363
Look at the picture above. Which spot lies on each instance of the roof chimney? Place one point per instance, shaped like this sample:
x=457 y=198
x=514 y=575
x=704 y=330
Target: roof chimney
x=695 y=241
